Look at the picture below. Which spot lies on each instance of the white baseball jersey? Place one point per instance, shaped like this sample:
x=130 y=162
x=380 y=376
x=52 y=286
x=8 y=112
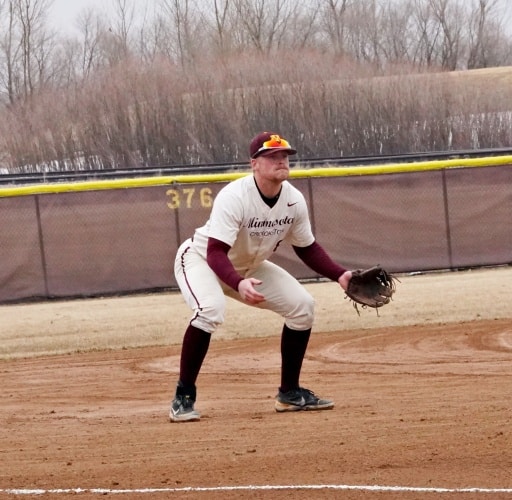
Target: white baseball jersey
x=241 y=219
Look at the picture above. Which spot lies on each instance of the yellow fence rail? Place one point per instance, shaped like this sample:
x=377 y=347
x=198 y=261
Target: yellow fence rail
x=296 y=173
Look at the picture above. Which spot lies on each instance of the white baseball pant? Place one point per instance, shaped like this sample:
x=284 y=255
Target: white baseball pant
x=206 y=294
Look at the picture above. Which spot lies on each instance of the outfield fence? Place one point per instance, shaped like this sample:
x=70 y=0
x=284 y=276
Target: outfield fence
x=120 y=236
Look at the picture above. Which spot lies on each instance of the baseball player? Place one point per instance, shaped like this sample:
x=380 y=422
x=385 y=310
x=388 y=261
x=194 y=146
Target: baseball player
x=228 y=256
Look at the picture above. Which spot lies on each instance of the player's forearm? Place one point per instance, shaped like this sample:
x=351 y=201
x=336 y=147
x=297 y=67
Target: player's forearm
x=316 y=258
x=218 y=260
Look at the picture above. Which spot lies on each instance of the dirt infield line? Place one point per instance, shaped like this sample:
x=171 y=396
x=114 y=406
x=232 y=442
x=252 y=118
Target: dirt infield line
x=340 y=487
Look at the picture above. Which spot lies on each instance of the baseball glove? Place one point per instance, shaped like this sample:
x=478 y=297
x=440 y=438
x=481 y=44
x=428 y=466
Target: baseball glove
x=372 y=287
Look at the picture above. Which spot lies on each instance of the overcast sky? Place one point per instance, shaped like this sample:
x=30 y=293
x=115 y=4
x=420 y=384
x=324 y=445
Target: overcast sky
x=64 y=12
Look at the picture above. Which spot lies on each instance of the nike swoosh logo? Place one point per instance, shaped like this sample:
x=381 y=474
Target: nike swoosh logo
x=291 y=204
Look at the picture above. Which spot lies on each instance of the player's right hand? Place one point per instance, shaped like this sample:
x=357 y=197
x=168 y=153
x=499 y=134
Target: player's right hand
x=248 y=293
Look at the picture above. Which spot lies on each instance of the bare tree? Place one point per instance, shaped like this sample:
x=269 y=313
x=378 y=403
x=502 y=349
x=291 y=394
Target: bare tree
x=263 y=23
x=33 y=41
x=333 y=20
x=92 y=30
x=302 y=28
x=363 y=31
x=484 y=33
x=122 y=26
x=183 y=29
x=26 y=47
x=397 y=33
x=9 y=49
x=221 y=18
x=151 y=37
x=428 y=34
x=451 y=19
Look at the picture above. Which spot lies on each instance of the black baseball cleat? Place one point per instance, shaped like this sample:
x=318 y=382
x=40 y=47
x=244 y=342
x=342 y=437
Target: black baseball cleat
x=182 y=410
x=301 y=399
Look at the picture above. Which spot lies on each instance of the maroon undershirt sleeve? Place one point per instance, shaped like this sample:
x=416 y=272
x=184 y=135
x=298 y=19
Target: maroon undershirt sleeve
x=217 y=258
x=316 y=258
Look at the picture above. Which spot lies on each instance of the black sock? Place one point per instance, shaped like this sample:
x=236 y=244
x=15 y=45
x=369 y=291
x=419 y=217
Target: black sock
x=193 y=351
x=293 y=349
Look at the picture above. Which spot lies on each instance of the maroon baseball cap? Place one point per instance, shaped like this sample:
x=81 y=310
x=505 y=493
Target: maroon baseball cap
x=269 y=141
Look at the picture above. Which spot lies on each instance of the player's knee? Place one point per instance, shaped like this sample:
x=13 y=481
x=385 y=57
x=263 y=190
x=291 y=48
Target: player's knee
x=210 y=316
x=303 y=313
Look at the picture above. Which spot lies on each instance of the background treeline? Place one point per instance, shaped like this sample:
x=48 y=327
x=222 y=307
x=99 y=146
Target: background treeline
x=190 y=81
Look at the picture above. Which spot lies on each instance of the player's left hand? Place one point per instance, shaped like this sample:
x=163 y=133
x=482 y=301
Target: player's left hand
x=344 y=279
x=372 y=287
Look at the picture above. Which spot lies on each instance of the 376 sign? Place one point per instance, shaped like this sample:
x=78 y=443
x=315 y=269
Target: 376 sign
x=189 y=197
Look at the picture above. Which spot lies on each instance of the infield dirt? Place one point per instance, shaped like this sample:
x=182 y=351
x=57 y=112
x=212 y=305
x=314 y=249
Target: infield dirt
x=422 y=397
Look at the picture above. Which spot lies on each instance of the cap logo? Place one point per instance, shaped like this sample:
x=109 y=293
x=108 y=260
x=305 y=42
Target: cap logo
x=275 y=141
x=268 y=141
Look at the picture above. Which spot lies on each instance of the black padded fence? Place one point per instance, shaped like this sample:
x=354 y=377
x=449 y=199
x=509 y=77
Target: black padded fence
x=113 y=241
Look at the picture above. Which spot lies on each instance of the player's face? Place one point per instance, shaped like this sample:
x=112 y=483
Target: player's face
x=272 y=167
